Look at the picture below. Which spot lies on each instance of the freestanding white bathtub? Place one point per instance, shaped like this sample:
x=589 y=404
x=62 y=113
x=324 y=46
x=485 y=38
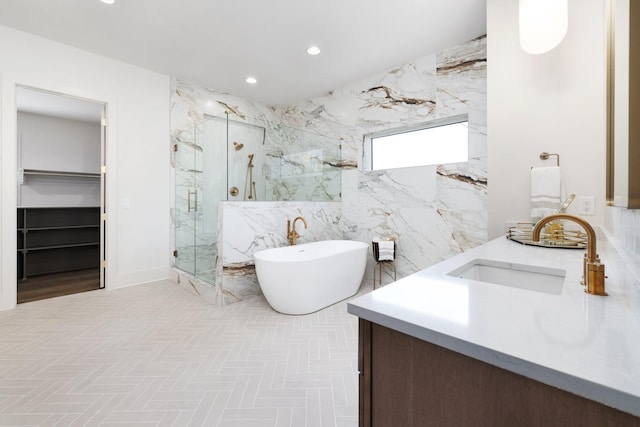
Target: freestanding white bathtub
x=301 y=279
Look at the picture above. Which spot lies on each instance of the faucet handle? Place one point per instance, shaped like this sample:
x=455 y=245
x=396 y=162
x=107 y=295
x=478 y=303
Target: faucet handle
x=595 y=278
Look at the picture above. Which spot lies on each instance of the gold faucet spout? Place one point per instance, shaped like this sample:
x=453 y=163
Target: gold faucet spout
x=292 y=234
x=591 y=234
x=593 y=270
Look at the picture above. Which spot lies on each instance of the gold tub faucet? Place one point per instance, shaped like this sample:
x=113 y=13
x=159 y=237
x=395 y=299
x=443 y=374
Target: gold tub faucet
x=592 y=269
x=292 y=235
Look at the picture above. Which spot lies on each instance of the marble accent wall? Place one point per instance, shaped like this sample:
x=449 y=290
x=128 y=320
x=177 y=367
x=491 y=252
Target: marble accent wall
x=249 y=227
x=434 y=212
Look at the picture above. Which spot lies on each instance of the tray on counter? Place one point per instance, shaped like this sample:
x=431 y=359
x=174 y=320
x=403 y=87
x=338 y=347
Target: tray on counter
x=557 y=238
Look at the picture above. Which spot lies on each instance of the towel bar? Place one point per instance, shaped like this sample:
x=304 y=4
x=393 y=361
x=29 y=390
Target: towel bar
x=545 y=156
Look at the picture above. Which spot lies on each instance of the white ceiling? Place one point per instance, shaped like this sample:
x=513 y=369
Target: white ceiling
x=218 y=43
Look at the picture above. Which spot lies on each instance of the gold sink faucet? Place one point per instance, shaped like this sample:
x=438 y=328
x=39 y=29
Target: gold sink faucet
x=592 y=269
x=292 y=235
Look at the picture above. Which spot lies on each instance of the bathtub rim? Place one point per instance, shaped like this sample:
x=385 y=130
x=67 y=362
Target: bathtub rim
x=260 y=255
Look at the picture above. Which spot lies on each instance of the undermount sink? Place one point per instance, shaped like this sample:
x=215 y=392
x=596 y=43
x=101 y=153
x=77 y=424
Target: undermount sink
x=522 y=276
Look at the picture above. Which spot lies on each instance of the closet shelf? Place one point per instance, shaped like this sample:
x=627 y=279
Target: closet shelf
x=71 y=245
x=62 y=227
x=27 y=172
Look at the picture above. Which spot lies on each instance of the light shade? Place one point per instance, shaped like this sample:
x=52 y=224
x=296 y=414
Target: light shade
x=543 y=24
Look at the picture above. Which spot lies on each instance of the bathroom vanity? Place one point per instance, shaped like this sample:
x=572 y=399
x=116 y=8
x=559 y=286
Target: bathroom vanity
x=442 y=348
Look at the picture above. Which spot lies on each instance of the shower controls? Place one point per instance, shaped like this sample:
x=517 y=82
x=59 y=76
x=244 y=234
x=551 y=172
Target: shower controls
x=234 y=191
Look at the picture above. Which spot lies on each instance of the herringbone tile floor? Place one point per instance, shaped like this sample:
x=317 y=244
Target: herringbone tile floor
x=156 y=355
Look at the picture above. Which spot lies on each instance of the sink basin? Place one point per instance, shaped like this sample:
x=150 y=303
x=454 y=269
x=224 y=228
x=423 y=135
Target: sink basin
x=522 y=276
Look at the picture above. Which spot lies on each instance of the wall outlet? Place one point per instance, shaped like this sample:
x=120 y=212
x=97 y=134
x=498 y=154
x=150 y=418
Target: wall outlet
x=587 y=205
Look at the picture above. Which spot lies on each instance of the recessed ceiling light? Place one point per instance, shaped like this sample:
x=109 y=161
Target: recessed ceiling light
x=108 y=1
x=313 y=50
x=251 y=80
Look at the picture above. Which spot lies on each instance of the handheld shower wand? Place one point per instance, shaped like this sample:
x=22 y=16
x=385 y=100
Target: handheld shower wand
x=249 y=181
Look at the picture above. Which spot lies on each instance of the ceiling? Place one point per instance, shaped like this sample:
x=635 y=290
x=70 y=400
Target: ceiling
x=219 y=43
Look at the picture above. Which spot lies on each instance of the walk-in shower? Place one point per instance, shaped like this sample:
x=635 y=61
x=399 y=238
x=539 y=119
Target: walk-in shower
x=251 y=160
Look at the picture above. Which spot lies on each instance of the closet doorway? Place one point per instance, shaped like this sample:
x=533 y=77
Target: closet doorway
x=60 y=194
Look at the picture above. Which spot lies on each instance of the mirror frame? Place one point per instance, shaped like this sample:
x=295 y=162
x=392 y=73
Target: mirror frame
x=632 y=184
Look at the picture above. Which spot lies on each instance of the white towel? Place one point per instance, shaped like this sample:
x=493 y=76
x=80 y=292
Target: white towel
x=385 y=250
x=546 y=191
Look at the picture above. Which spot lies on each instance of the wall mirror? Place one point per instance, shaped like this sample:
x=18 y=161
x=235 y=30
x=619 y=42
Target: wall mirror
x=623 y=104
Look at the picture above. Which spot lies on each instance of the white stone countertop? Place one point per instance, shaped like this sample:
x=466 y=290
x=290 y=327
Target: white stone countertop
x=586 y=344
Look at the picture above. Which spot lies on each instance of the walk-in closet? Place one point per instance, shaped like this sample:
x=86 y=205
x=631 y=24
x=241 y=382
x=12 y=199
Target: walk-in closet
x=60 y=243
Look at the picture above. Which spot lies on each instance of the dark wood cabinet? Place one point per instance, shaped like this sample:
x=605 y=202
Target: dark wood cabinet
x=54 y=240
x=405 y=381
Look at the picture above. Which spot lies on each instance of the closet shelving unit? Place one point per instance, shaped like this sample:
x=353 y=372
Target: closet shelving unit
x=57 y=239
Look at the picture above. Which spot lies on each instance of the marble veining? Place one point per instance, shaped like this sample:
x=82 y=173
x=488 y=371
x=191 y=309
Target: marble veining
x=390 y=99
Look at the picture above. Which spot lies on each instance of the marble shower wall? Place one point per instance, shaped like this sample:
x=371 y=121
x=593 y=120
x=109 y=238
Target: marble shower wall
x=433 y=212
x=301 y=165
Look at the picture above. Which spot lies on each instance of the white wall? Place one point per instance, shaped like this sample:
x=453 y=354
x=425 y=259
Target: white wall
x=58 y=144
x=54 y=143
x=137 y=152
x=553 y=102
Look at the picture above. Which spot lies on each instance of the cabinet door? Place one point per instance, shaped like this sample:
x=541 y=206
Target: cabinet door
x=413 y=383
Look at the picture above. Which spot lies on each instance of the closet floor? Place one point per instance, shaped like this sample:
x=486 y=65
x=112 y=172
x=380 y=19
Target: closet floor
x=55 y=285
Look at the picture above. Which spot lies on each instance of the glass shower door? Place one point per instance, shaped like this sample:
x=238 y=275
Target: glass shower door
x=185 y=201
x=205 y=208
x=201 y=166
x=197 y=159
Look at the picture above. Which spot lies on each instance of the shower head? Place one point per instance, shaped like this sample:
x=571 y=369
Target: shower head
x=238 y=146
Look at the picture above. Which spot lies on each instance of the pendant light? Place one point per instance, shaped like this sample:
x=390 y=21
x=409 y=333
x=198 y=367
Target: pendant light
x=543 y=24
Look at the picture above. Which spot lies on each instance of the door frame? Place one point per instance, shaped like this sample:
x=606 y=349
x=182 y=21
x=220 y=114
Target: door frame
x=104 y=123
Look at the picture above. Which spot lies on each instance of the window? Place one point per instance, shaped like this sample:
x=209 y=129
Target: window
x=433 y=143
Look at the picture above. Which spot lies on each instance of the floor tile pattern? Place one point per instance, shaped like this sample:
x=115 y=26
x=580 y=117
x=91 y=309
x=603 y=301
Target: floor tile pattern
x=156 y=355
